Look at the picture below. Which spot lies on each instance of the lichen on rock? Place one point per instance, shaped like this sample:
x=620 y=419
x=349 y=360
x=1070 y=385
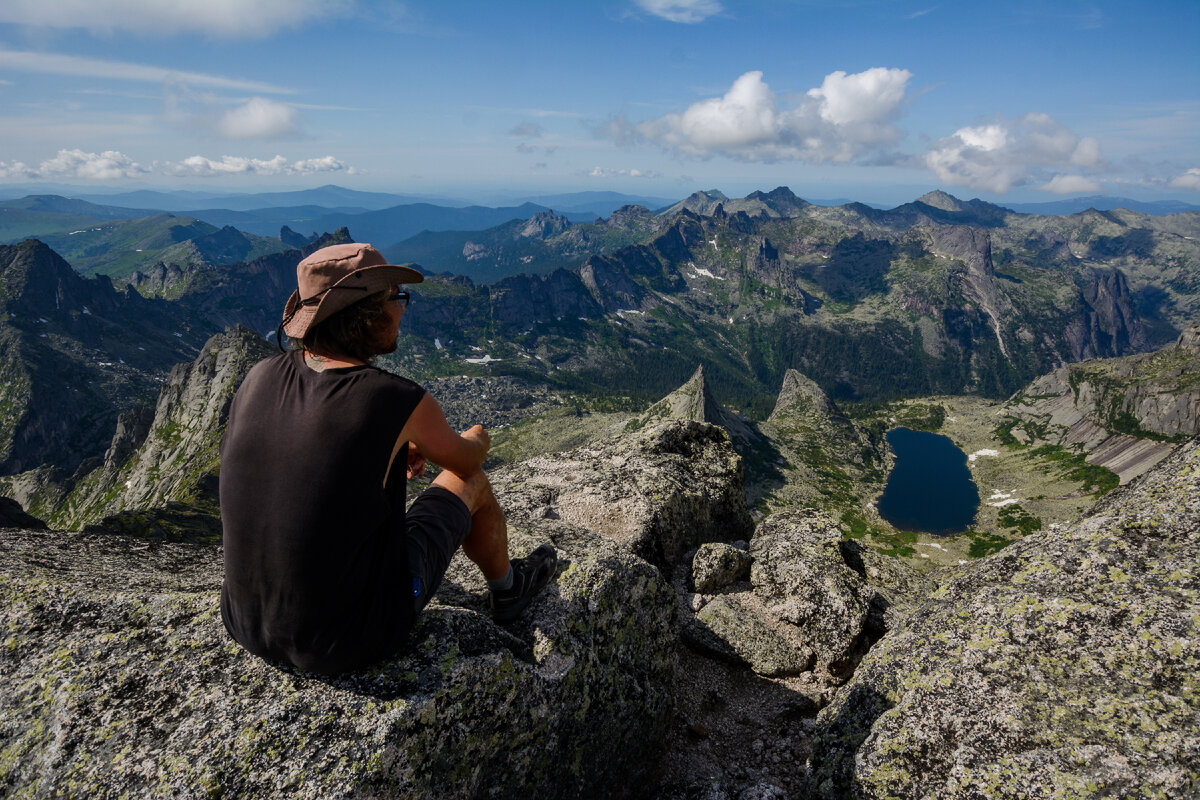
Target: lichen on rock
x=717 y=565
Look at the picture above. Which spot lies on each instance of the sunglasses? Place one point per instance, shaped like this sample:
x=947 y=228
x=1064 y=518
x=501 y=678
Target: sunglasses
x=399 y=296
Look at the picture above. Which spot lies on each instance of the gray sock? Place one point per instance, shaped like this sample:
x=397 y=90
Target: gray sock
x=502 y=584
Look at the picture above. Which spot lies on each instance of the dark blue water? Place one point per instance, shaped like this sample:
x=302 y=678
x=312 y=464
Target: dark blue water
x=930 y=488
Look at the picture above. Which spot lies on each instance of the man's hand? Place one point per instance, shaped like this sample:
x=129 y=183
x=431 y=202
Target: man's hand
x=416 y=462
x=479 y=436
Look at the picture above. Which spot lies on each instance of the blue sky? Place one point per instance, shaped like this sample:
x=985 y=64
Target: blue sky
x=872 y=100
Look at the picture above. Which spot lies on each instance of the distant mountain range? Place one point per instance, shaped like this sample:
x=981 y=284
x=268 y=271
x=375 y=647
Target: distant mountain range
x=1103 y=203
x=939 y=295
x=328 y=196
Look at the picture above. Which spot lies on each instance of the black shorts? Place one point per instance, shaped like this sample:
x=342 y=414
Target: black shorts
x=436 y=524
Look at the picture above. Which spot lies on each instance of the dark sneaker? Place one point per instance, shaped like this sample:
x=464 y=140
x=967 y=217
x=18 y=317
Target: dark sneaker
x=530 y=575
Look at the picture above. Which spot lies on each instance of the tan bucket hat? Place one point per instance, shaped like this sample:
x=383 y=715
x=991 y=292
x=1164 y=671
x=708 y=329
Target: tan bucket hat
x=338 y=276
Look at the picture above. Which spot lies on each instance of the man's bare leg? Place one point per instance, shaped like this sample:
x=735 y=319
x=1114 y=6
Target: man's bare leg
x=487 y=543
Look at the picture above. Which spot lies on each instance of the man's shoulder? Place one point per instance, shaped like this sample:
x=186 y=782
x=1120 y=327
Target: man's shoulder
x=272 y=363
x=395 y=380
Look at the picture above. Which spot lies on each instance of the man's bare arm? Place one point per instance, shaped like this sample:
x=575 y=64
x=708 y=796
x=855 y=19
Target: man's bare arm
x=461 y=454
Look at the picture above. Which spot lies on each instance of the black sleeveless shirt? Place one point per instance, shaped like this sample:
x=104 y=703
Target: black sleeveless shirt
x=315 y=566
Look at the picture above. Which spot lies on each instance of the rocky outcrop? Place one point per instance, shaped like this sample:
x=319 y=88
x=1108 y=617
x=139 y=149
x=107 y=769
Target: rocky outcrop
x=543 y=225
x=133 y=687
x=168 y=457
x=657 y=492
x=609 y=286
x=1064 y=666
x=974 y=248
x=294 y=240
x=525 y=299
x=13 y=516
x=159 y=280
x=138 y=690
x=1125 y=413
x=801 y=396
x=811 y=607
x=694 y=401
x=716 y=565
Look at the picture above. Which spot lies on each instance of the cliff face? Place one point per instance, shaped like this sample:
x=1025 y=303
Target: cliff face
x=1064 y=666
x=156 y=458
x=1126 y=413
x=1107 y=324
x=74 y=353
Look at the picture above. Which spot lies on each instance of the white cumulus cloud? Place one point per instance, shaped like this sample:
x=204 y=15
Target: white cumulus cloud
x=201 y=167
x=1006 y=152
x=843 y=119
x=226 y=18
x=1071 y=184
x=865 y=97
x=686 y=11
x=109 y=165
x=1188 y=180
x=258 y=118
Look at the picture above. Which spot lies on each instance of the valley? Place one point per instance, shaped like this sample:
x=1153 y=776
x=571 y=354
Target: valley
x=817 y=329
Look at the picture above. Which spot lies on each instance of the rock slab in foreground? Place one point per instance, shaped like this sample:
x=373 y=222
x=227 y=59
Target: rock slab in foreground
x=1067 y=665
x=119 y=680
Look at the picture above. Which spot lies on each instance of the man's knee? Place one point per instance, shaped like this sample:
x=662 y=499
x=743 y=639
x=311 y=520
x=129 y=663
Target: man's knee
x=475 y=491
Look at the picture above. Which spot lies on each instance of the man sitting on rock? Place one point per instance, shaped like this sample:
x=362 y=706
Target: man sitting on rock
x=323 y=568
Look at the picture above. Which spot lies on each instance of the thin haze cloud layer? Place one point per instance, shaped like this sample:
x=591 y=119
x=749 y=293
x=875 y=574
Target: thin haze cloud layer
x=82 y=67
x=225 y=18
x=685 y=11
x=113 y=165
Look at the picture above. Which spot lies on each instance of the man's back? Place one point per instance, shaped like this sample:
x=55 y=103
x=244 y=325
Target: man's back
x=313 y=549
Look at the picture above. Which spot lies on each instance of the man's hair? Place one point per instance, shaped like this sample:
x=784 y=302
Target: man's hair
x=354 y=331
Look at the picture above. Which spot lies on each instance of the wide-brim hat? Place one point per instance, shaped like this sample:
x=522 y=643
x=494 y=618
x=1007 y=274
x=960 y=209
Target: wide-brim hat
x=336 y=277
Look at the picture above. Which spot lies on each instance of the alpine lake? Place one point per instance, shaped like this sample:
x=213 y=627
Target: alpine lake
x=930 y=488
x=963 y=492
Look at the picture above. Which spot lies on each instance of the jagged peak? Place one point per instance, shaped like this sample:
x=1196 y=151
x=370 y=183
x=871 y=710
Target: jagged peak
x=694 y=401
x=691 y=401
x=37 y=279
x=800 y=393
